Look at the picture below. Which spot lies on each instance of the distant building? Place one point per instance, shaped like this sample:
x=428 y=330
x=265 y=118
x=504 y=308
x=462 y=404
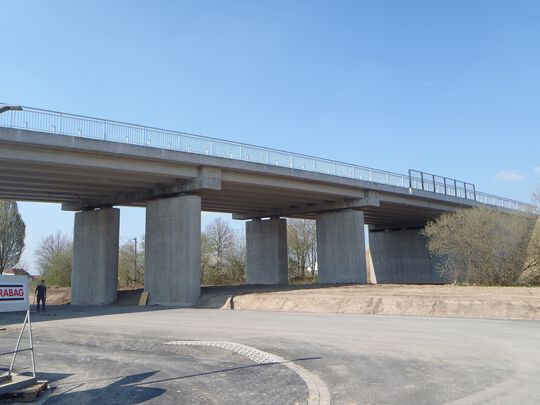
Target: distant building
x=18 y=272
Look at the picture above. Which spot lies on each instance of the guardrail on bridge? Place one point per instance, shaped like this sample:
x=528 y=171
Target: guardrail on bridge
x=95 y=128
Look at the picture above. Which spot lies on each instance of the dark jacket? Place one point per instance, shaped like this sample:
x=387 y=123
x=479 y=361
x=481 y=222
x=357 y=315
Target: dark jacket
x=41 y=290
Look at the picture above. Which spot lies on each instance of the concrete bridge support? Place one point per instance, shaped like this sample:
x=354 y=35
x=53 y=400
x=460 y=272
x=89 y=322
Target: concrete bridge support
x=402 y=257
x=341 y=247
x=172 y=274
x=266 y=250
x=94 y=279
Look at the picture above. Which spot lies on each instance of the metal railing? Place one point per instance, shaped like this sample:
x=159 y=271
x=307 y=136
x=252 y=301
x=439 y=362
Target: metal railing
x=441 y=185
x=114 y=131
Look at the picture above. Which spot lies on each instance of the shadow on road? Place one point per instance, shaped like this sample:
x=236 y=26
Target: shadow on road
x=125 y=390
x=225 y=370
x=55 y=312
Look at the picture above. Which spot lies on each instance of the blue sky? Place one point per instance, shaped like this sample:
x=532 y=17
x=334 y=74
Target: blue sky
x=451 y=88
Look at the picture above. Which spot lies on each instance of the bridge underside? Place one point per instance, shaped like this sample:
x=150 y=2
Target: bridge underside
x=91 y=177
x=83 y=180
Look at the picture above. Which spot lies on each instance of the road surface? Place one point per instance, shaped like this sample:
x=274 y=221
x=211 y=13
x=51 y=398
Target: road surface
x=119 y=354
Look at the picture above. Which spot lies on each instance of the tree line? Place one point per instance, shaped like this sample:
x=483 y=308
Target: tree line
x=223 y=256
x=12 y=234
x=482 y=246
x=471 y=246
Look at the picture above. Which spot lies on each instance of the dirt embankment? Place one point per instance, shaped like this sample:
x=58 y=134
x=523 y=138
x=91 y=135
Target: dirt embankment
x=425 y=300
x=58 y=295
x=419 y=300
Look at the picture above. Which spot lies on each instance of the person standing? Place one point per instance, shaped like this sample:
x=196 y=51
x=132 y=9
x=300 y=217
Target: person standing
x=41 y=292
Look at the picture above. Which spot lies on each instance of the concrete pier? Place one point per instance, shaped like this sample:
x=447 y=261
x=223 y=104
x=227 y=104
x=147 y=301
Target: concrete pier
x=341 y=247
x=266 y=250
x=94 y=279
x=172 y=274
x=401 y=256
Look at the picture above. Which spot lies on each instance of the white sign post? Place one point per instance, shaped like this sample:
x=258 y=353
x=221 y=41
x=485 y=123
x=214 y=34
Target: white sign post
x=14 y=296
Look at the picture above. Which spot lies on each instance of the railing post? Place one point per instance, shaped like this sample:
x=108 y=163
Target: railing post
x=422 y=179
x=444 y=182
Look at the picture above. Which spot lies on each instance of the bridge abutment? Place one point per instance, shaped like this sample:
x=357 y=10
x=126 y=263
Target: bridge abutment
x=341 y=247
x=266 y=251
x=172 y=274
x=401 y=257
x=94 y=277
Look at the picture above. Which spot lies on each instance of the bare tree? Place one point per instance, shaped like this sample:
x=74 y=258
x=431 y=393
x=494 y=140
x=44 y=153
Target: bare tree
x=480 y=246
x=220 y=237
x=206 y=256
x=223 y=254
x=50 y=246
x=54 y=259
x=536 y=196
x=302 y=246
x=12 y=233
x=131 y=263
x=236 y=258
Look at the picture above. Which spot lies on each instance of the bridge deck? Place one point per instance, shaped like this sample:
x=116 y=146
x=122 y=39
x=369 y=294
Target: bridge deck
x=38 y=166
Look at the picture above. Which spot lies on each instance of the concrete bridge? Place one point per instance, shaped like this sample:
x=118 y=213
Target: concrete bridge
x=92 y=165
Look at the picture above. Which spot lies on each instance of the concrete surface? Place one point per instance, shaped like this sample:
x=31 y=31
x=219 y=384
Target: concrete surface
x=341 y=251
x=49 y=167
x=16 y=383
x=401 y=256
x=266 y=252
x=532 y=264
x=172 y=271
x=112 y=354
x=95 y=257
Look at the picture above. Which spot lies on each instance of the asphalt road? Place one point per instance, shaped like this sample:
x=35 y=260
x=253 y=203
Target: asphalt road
x=119 y=355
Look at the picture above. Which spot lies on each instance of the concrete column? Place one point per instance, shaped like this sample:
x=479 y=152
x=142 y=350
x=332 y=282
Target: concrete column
x=531 y=264
x=94 y=279
x=401 y=257
x=172 y=273
x=266 y=251
x=341 y=253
